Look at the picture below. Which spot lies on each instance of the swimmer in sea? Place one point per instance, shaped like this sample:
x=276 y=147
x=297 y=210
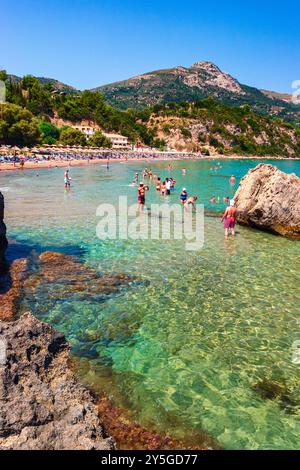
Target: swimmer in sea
x=229 y=219
x=213 y=200
x=190 y=202
x=232 y=179
x=226 y=199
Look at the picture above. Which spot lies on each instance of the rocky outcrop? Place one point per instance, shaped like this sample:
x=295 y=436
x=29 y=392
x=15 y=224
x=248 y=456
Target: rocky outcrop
x=11 y=289
x=42 y=405
x=269 y=199
x=3 y=240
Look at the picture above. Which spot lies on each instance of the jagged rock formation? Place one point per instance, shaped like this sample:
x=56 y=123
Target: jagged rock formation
x=269 y=199
x=42 y=405
x=3 y=240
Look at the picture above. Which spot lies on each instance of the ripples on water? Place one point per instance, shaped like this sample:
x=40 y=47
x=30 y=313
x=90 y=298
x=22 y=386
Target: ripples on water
x=185 y=345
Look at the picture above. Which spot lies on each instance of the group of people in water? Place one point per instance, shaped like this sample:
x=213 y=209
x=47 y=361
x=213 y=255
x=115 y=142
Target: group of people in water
x=165 y=187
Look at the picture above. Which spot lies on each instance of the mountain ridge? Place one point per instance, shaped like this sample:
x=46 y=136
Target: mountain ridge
x=201 y=80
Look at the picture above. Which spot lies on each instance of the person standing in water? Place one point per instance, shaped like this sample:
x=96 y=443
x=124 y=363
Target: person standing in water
x=142 y=196
x=229 y=219
x=67 y=180
x=183 y=196
x=183 y=171
x=232 y=179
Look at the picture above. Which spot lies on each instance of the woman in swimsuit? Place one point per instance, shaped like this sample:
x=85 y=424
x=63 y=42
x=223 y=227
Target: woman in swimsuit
x=183 y=196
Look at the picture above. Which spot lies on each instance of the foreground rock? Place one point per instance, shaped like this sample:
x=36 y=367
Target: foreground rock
x=11 y=289
x=269 y=199
x=42 y=405
x=3 y=240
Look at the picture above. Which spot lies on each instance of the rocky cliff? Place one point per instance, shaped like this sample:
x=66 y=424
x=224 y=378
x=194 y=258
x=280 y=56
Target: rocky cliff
x=269 y=199
x=3 y=240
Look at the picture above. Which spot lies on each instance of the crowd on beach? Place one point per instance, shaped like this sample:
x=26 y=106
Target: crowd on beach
x=68 y=156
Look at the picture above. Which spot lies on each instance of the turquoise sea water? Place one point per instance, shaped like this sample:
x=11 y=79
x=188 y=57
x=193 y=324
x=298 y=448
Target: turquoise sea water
x=184 y=345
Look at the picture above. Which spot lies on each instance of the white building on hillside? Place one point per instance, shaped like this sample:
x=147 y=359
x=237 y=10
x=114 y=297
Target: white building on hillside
x=88 y=131
x=118 y=141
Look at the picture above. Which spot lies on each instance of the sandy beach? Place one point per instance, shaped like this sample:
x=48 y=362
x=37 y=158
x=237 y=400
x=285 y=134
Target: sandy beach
x=4 y=166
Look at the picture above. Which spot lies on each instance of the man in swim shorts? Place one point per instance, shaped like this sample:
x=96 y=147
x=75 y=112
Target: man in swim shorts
x=142 y=196
x=229 y=219
x=67 y=180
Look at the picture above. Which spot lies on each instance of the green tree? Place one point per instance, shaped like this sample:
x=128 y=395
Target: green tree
x=70 y=137
x=100 y=140
x=17 y=126
x=49 y=133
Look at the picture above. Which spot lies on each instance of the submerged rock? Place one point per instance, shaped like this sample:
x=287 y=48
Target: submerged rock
x=42 y=405
x=274 y=390
x=3 y=240
x=71 y=277
x=269 y=199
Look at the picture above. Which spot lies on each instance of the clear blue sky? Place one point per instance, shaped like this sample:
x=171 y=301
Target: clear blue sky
x=90 y=43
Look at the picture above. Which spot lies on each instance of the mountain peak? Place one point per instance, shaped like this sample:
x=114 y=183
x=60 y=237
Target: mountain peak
x=206 y=65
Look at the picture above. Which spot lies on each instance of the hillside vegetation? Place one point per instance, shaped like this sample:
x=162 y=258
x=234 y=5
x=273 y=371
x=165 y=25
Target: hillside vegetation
x=44 y=103
x=206 y=125
x=210 y=126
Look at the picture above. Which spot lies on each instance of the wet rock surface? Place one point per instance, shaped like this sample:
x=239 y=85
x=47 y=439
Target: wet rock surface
x=42 y=405
x=269 y=199
x=11 y=288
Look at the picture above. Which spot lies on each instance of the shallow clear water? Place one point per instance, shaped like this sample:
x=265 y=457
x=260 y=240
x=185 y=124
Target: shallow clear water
x=185 y=344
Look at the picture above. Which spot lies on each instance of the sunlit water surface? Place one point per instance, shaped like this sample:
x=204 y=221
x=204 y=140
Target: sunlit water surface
x=183 y=346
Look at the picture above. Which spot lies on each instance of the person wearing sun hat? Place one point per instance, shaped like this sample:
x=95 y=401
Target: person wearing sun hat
x=183 y=196
x=229 y=219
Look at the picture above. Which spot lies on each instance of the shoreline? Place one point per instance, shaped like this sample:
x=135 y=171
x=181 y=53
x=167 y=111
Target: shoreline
x=4 y=167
